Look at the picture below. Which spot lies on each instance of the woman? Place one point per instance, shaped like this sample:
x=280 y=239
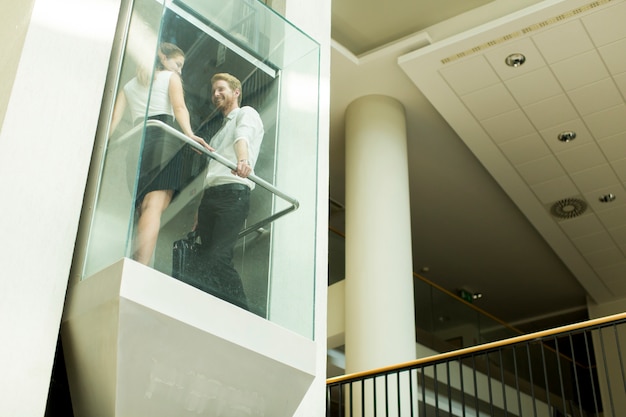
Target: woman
x=160 y=173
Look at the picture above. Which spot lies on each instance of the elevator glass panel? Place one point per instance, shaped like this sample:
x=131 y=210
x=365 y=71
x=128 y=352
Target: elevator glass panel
x=278 y=66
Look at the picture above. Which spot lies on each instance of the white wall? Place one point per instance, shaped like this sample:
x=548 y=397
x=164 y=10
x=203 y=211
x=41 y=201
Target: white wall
x=45 y=147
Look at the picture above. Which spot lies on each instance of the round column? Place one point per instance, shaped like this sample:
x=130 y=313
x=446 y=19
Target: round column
x=379 y=305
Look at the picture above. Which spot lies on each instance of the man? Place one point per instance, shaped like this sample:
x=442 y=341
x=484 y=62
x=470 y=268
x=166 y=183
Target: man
x=226 y=200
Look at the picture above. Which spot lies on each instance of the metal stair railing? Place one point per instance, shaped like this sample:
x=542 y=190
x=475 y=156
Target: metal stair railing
x=576 y=371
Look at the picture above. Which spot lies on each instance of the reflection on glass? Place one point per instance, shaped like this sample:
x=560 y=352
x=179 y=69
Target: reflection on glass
x=278 y=68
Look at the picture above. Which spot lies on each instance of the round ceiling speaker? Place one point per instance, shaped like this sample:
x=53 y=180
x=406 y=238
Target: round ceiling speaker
x=568 y=208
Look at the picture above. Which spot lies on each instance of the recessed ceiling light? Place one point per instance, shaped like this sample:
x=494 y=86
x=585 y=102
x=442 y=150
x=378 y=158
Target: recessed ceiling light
x=567 y=136
x=515 y=60
x=607 y=198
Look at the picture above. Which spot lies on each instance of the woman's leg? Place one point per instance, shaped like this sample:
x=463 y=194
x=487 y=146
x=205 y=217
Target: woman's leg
x=152 y=207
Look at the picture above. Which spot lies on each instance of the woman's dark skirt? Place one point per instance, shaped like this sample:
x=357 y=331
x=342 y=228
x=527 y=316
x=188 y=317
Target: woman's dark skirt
x=163 y=161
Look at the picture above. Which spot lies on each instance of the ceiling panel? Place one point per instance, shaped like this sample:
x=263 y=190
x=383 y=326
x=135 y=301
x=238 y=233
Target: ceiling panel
x=541 y=170
x=473 y=75
x=606 y=25
x=613 y=217
x=614 y=57
x=525 y=149
x=508 y=126
x=604 y=258
x=607 y=122
x=597 y=241
x=534 y=86
x=567 y=40
x=550 y=112
x=594 y=179
x=580 y=70
x=620 y=169
x=619 y=235
x=613 y=146
x=582 y=157
x=489 y=101
x=595 y=97
x=585 y=225
x=554 y=189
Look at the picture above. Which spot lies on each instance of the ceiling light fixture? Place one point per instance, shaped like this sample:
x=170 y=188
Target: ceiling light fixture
x=607 y=198
x=567 y=136
x=515 y=60
x=568 y=208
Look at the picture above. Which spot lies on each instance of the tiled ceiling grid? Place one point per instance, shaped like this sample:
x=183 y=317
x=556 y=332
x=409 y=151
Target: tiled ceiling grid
x=574 y=79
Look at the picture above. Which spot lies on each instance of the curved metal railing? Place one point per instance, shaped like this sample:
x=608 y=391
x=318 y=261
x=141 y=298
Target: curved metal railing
x=294 y=204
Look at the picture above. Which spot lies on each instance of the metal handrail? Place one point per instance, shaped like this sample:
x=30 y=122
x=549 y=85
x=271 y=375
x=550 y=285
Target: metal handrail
x=219 y=158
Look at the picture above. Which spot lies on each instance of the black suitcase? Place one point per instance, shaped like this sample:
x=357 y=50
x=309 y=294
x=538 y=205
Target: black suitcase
x=184 y=253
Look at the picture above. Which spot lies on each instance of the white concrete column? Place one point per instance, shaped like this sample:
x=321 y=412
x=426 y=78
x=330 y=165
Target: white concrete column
x=379 y=307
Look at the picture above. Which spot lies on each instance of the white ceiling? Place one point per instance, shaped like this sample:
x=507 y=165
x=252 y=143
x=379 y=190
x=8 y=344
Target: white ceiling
x=485 y=162
x=363 y=25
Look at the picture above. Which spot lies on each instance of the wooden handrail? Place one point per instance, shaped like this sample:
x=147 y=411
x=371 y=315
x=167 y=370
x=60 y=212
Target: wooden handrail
x=470 y=305
x=480 y=348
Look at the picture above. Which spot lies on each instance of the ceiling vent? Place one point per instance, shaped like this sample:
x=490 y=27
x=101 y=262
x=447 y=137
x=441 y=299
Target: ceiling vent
x=568 y=208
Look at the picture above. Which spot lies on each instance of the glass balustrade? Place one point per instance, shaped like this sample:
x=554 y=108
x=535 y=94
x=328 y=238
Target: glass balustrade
x=278 y=67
